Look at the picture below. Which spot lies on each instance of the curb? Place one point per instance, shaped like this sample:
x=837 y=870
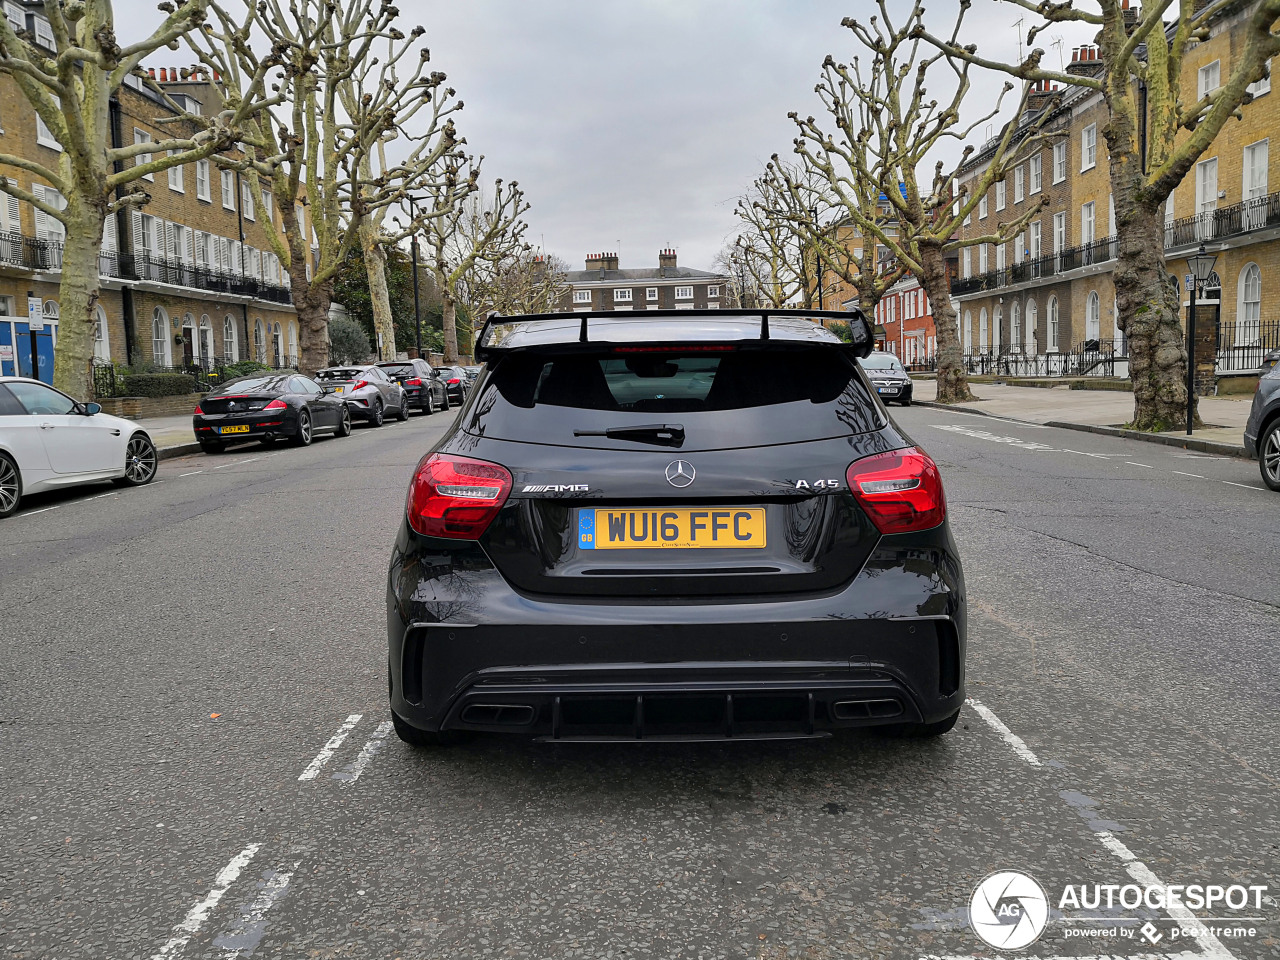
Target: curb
x=1186 y=443
x=177 y=450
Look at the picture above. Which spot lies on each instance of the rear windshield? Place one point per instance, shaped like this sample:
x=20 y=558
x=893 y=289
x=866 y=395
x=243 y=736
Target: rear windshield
x=881 y=363
x=396 y=369
x=345 y=373
x=251 y=384
x=674 y=382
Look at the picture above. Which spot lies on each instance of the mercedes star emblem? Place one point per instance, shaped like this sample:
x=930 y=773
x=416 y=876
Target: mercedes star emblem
x=680 y=473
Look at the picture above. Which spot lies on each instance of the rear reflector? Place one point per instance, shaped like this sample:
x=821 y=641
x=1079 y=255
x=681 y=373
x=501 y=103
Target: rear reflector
x=456 y=497
x=900 y=491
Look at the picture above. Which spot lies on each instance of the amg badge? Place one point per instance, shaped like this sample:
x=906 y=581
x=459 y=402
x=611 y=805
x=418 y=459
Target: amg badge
x=555 y=488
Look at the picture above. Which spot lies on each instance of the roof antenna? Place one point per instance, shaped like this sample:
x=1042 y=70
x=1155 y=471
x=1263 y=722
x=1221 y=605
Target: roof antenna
x=1057 y=42
x=1017 y=24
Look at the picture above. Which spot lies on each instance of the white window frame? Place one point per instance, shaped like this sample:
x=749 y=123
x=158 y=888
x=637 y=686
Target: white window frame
x=1015 y=327
x=1261 y=87
x=582 y=296
x=268 y=202
x=1019 y=183
x=622 y=295
x=1208 y=78
x=160 y=337
x=1248 y=310
x=713 y=292
x=1093 y=316
x=202 y=180
x=982 y=258
x=1060 y=161
x=176 y=183
x=1088 y=222
x=966 y=263
x=1059 y=232
x=228 y=190
x=1051 y=333
x=982 y=207
x=1035 y=240
x=999 y=264
x=1037 y=175
x=1020 y=251
x=44 y=136
x=1089 y=147
x=141 y=136
x=1000 y=191
x=684 y=293
x=246 y=200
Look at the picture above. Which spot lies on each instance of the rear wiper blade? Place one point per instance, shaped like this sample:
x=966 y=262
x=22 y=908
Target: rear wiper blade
x=664 y=434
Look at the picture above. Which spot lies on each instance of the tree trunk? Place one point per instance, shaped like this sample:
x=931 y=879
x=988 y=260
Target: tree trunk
x=450 y=328
x=311 y=300
x=953 y=381
x=77 y=300
x=375 y=263
x=1147 y=303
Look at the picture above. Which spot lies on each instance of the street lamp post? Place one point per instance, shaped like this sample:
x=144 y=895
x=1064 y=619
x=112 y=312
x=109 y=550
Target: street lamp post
x=1201 y=265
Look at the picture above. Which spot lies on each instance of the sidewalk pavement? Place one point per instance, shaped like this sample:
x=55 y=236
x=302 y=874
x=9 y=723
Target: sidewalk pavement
x=1102 y=411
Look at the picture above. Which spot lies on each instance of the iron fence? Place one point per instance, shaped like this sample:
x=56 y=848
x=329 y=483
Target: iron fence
x=1242 y=345
x=109 y=378
x=1257 y=213
x=1050 y=265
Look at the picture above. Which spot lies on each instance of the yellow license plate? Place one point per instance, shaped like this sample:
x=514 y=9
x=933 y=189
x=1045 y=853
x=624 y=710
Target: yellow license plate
x=337 y=389
x=241 y=429
x=673 y=529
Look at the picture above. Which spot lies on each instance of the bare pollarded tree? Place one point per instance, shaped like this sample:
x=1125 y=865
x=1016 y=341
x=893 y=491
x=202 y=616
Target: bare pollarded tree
x=70 y=88
x=884 y=130
x=524 y=281
x=1142 y=63
x=321 y=150
x=771 y=251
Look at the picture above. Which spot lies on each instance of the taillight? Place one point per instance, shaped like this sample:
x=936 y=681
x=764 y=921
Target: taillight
x=900 y=491
x=455 y=380
x=359 y=384
x=276 y=405
x=197 y=412
x=456 y=497
x=414 y=382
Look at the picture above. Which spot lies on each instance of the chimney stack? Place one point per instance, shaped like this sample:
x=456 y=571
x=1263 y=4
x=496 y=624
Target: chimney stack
x=666 y=261
x=1085 y=62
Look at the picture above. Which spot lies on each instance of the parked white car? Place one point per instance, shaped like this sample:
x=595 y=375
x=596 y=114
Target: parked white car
x=48 y=440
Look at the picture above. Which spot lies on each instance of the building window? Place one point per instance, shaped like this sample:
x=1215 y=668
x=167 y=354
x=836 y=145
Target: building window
x=1030 y=339
x=246 y=200
x=160 y=337
x=1052 y=337
x=228 y=338
x=1255 y=184
x=982 y=207
x=1089 y=147
x=1088 y=223
x=1060 y=161
x=202 y=180
x=1020 y=247
x=1015 y=328
x=101 y=338
x=651 y=294
x=982 y=258
x=1093 y=316
x=44 y=136
x=999 y=195
x=966 y=264
x=713 y=291
x=1035 y=240
x=684 y=293
x=1059 y=232
x=1036 y=178
x=141 y=136
x=1019 y=183
x=982 y=330
x=968 y=218
x=582 y=296
x=1259 y=87
x=1249 y=309
x=228 y=190
x=968 y=332
x=259 y=342
x=999 y=256
x=1208 y=79
x=175 y=174
x=267 y=202
x=622 y=296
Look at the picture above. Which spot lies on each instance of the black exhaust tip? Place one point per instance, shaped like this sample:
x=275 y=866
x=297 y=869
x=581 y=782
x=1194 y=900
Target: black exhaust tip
x=878 y=709
x=498 y=714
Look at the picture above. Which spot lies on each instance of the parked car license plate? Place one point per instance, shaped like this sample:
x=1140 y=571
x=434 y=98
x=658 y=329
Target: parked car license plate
x=240 y=429
x=337 y=389
x=680 y=529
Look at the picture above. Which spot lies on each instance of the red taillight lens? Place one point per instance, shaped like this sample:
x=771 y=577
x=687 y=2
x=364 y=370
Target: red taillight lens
x=197 y=412
x=900 y=491
x=414 y=382
x=456 y=497
x=359 y=384
x=276 y=405
x=455 y=380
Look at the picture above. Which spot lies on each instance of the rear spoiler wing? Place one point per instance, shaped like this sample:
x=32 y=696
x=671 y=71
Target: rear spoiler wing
x=860 y=329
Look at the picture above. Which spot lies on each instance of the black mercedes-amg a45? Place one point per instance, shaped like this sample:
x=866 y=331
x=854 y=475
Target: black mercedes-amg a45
x=674 y=526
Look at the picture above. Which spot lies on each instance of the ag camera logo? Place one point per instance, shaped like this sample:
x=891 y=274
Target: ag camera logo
x=1009 y=910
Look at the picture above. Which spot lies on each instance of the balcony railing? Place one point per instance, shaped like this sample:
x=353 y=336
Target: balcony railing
x=1099 y=251
x=31 y=254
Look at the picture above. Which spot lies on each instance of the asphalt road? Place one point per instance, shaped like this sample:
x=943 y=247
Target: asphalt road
x=195 y=761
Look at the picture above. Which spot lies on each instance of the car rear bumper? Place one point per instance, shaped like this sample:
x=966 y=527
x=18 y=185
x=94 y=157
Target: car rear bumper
x=261 y=427
x=499 y=661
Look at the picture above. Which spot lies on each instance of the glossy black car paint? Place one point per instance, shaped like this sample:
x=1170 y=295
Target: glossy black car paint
x=509 y=632
x=403 y=371
x=456 y=382
x=240 y=402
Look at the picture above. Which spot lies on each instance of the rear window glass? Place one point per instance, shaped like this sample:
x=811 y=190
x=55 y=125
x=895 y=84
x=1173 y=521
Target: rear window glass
x=396 y=369
x=881 y=363
x=674 y=382
x=347 y=373
x=252 y=383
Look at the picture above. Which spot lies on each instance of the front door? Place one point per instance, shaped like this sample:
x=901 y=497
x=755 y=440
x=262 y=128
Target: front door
x=188 y=346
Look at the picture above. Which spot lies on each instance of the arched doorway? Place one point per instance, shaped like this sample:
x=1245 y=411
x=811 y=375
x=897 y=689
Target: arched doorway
x=277 y=344
x=190 y=352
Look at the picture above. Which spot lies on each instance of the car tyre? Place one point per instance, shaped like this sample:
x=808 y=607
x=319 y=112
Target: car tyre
x=919 y=731
x=303 y=437
x=1269 y=456
x=140 y=462
x=446 y=401
x=430 y=406
x=376 y=414
x=10 y=485
x=402 y=411
x=906 y=401
x=344 y=422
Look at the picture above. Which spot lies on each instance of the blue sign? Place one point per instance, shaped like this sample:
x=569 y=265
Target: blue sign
x=586 y=529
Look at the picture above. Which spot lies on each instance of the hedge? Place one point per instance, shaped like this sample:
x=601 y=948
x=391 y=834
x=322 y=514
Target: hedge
x=158 y=384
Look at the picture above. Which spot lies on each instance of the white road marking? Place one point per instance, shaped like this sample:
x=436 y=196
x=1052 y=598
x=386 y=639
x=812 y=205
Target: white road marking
x=191 y=474
x=222 y=466
x=250 y=460
x=351 y=772
x=1247 y=486
x=1144 y=466
x=32 y=513
x=243 y=934
x=1181 y=474
x=994 y=438
x=1009 y=737
x=987 y=416
x=1211 y=947
x=313 y=769
x=102 y=496
x=198 y=914
x=1099 y=456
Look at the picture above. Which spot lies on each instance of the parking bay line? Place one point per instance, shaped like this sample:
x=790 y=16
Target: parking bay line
x=243 y=934
x=1211 y=947
x=351 y=772
x=199 y=913
x=326 y=752
x=1181 y=474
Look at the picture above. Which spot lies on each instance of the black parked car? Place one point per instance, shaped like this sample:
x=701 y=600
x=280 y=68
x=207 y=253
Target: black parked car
x=888 y=376
x=268 y=408
x=677 y=527
x=423 y=388
x=1262 y=430
x=455 y=379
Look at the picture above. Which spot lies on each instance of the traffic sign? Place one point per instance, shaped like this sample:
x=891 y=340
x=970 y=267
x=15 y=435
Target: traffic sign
x=35 y=313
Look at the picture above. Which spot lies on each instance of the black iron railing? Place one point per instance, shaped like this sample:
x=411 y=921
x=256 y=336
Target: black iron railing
x=1243 y=343
x=1099 y=251
x=1260 y=213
